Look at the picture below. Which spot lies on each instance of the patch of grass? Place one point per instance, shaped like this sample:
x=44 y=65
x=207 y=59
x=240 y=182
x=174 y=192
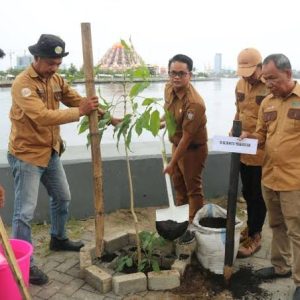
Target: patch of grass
x=75 y=228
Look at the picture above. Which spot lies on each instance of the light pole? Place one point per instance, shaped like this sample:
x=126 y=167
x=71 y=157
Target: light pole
x=10 y=53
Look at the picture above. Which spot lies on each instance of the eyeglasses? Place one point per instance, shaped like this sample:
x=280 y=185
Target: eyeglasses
x=179 y=74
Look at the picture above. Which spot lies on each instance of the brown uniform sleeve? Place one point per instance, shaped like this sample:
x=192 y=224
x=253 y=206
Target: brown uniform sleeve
x=236 y=101
x=261 y=128
x=167 y=95
x=70 y=96
x=193 y=115
x=29 y=103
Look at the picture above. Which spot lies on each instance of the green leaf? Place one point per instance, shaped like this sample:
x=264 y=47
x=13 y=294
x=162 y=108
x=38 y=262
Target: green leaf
x=138 y=88
x=124 y=44
x=145 y=119
x=121 y=263
x=128 y=137
x=154 y=122
x=88 y=137
x=129 y=262
x=134 y=107
x=139 y=126
x=142 y=265
x=83 y=125
x=103 y=122
x=122 y=127
x=170 y=123
x=155 y=265
x=148 y=101
x=141 y=72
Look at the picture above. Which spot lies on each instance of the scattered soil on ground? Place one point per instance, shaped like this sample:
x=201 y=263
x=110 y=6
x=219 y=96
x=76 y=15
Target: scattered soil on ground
x=199 y=282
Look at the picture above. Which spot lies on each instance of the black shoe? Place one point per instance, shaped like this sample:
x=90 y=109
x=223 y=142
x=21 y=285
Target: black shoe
x=65 y=245
x=269 y=273
x=37 y=276
x=187 y=238
x=297 y=293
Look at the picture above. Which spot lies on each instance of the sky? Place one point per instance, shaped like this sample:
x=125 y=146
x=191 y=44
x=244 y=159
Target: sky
x=159 y=29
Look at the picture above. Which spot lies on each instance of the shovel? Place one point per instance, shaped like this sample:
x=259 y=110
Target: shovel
x=171 y=222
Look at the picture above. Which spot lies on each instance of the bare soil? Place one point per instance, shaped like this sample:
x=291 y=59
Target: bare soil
x=197 y=283
x=213 y=222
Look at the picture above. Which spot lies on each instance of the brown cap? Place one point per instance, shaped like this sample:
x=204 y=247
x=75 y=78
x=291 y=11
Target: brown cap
x=247 y=60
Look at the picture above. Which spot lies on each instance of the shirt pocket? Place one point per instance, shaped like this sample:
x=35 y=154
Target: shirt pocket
x=58 y=95
x=240 y=97
x=293 y=119
x=41 y=94
x=259 y=99
x=269 y=117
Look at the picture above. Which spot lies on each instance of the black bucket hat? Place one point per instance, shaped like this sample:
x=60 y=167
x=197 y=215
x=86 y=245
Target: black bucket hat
x=50 y=46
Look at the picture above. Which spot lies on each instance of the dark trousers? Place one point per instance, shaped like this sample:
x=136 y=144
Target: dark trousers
x=256 y=208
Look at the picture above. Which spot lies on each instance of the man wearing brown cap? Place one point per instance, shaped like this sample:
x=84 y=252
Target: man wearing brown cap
x=250 y=91
x=278 y=127
x=34 y=143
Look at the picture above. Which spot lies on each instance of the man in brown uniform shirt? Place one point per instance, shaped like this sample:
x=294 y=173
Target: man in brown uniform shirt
x=250 y=91
x=279 y=128
x=34 y=143
x=189 y=150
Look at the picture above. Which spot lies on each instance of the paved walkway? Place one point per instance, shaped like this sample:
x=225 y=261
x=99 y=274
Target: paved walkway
x=65 y=283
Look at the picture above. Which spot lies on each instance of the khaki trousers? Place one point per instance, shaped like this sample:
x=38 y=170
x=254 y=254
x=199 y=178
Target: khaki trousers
x=284 y=220
x=187 y=179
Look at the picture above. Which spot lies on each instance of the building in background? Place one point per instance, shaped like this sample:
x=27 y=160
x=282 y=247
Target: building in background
x=218 y=64
x=24 y=61
x=117 y=59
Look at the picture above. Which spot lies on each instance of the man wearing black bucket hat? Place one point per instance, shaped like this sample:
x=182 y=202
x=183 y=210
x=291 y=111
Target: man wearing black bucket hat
x=189 y=150
x=35 y=143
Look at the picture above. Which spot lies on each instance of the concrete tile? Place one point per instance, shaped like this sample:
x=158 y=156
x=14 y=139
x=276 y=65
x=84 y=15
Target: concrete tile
x=61 y=277
x=73 y=286
x=67 y=264
x=34 y=289
x=50 y=290
x=59 y=296
x=86 y=295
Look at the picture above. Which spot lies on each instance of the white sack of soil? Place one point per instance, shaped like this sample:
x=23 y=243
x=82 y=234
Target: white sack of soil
x=211 y=239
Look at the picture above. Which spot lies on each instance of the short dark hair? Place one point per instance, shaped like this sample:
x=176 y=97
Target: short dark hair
x=2 y=54
x=182 y=58
x=280 y=61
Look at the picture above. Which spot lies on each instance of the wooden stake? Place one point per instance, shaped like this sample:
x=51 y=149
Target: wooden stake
x=12 y=262
x=231 y=206
x=95 y=137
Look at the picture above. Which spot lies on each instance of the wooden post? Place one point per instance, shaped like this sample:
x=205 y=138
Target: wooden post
x=94 y=136
x=231 y=205
x=12 y=262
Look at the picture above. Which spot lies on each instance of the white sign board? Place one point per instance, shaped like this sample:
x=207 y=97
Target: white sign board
x=233 y=144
